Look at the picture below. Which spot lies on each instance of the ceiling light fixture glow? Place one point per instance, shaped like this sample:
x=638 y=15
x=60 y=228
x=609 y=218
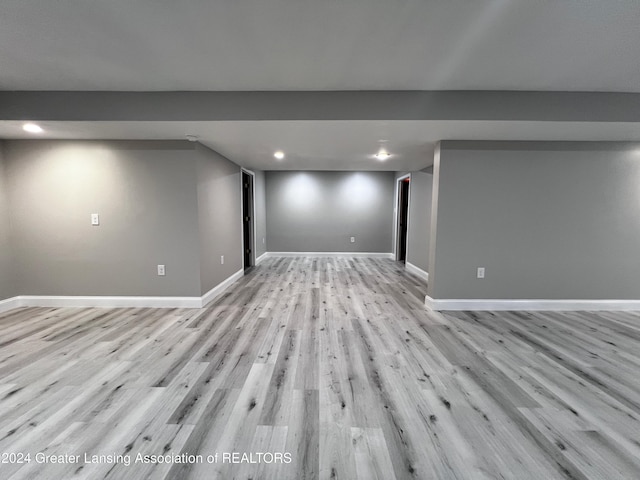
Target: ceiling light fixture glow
x=382 y=155
x=32 y=128
x=279 y=155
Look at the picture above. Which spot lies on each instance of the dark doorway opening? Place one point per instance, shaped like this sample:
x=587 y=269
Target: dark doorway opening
x=403 y=219
x=247 y=219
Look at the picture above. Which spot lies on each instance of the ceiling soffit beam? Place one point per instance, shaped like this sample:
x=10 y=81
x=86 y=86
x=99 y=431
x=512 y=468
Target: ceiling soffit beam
x=320 y=105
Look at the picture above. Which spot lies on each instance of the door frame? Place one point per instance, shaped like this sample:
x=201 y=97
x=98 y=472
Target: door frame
x=253 y=216
x=396 y=216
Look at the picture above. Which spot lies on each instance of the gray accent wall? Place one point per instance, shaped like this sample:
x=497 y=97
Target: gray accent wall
x=320 y=211
x=219 y=217
x=548 y=220
x=145 y=194
x=7 y=283
x=260 y=213
x=420 y=191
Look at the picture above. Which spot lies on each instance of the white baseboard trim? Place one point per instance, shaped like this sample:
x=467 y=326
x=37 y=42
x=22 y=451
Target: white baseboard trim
x=111 y=302
x=56 y=301
x=532 y=305
x=9 y=304
x=331 y=254
x=221 y=287
x=411 y=268
x=262 y=257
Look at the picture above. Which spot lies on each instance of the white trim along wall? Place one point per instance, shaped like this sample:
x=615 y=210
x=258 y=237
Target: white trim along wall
x=327 y=254
x=411 y=268
x=432 y=304
x=531 y=305
x=116 y=302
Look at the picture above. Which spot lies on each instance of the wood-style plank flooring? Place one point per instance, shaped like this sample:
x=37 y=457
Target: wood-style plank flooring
x=333 y=363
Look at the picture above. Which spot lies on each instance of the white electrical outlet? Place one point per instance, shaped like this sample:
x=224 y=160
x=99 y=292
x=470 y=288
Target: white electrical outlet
x=161 y=271
x=221 y=259
x=95 y=219
x=480 y=273
x=353 y=239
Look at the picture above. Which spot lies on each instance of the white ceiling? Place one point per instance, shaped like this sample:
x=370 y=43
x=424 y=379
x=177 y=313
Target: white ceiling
x=588 y=45
x=330 y=145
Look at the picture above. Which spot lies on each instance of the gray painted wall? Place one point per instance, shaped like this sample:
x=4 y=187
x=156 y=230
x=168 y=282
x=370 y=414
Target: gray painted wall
x=260 y=213
x=146 y=197
x=7 y=283
x=219 y=217
x=546 y=220
x=420 y=191
x=321 y=105
x=319 y=211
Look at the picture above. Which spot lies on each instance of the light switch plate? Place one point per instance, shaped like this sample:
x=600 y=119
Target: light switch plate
x=480 y=272
x=95 y=219
x=161 y=270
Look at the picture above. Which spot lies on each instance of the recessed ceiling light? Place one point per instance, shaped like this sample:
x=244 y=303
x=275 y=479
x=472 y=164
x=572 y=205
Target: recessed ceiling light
x=382 y=155
x=279 y=155
x=32 y=128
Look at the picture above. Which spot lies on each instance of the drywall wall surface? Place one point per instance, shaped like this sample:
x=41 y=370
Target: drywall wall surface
x=547 y=220
x=7 y=283
x=260 y=214
x=219 y=217
x=145 y=195
x=320 y=211
x=420 y=190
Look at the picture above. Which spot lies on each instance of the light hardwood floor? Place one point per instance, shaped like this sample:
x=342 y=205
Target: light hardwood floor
x=335 y=361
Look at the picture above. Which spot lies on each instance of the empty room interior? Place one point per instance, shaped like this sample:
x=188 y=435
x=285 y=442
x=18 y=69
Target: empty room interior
x=319 y=240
